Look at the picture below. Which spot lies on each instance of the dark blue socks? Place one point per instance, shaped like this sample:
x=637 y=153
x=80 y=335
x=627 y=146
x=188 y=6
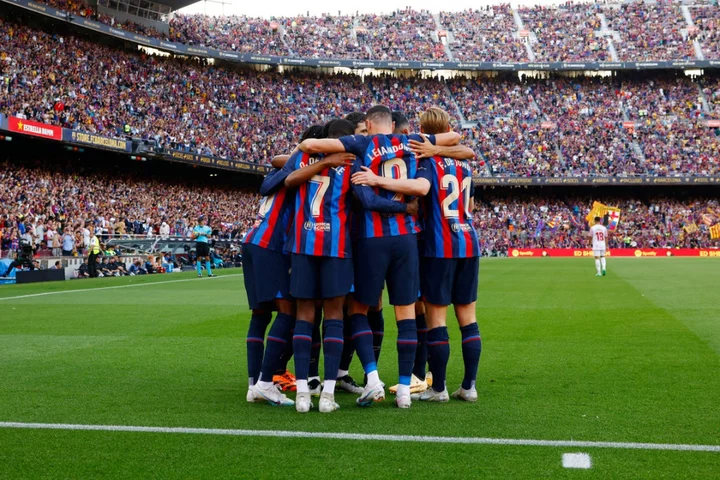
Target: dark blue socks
x=363 y=338
x=255 y=344
x=377 y=325
x=279 y=336
x=421 y=352
x=315 y=351
x=438 y=347
x=332 y=347
x=406 y=345
x=302 y=345
x=471 y=349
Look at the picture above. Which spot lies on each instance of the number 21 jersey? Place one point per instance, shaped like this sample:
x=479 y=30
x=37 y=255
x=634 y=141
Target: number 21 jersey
x=448 y=226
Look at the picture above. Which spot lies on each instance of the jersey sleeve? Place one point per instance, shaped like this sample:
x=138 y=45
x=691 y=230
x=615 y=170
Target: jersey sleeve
x=424 y=170
x=421 y=138
x=356 y=144
x=273 y=181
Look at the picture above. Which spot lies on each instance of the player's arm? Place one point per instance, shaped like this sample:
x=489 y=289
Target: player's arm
x=447 y=139
x=425 y=149
x=273 y=181
x=371 y=201
x=279 y=161
x=303 y=175
x=325 y=145
x=417 y=187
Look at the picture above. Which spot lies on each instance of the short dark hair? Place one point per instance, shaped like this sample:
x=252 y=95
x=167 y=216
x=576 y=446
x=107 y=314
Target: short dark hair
x=313 y=131
x=597 y=219
x=379 y=113
x=338 y=128
x=401 y=121
x=355 y=118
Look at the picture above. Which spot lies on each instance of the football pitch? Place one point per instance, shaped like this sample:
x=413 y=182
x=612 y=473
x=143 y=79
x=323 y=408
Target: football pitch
x=570 y=362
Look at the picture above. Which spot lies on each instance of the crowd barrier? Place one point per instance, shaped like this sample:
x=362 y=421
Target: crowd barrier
x=614 y=252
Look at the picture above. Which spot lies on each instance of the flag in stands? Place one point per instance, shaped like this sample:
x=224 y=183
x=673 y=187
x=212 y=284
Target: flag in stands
x=613 y=218
x=715 y=231
x=707 y=219
x=691 y=228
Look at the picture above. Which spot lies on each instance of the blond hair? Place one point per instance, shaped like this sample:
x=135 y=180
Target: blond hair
x=434 y=120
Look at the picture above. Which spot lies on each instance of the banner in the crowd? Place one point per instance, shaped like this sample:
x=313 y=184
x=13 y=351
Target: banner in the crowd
x=596 y=181
x=354 y=64
x=90 y=139
x=36 y=129
x=208 y=161
x=613 y=252
x=3 y=122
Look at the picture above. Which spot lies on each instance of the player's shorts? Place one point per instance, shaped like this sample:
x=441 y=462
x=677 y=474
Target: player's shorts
x=314 y=277
x=202 y=249
x=266 y=273
x=450 y=280
x=391 y=259
x=598 y=253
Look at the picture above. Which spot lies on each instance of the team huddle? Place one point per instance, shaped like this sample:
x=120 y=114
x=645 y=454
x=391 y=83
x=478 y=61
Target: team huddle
x=359 y=205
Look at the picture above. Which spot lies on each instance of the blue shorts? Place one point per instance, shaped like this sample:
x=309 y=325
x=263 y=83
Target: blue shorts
x=314 y=277
x=391 y=259
x=450 y=280
x=267 y=275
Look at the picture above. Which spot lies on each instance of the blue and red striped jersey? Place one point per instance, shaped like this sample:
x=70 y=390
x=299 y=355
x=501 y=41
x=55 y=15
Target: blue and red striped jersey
x=321 y=225
x=448 y=226
x=387 y=156
x=273 y=220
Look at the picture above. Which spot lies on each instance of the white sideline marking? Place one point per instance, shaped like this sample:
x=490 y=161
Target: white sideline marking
x=576 y=460
x=119 y=286
x=367 y=437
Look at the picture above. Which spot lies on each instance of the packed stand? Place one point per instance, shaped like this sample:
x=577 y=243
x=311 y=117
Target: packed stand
x=404 y=35
x=323 y=37
x=707 y=21
x=650 y=32
x=232 y=33
x=566 y=33
x=546 y=222
x=57 y=208
x=671 y=130
x=487 y=35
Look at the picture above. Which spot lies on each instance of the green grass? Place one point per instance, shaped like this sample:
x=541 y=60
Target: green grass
x=631 y=357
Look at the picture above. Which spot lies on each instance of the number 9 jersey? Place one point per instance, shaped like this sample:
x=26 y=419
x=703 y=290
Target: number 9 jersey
x=448 y=226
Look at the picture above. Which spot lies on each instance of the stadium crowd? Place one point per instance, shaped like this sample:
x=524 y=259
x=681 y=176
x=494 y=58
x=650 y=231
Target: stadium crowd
x=565 y=32
x=547 y=222
x=550 y=127
x=57 y=208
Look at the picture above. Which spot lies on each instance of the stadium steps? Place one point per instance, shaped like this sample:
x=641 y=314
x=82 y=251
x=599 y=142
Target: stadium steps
x=458 y=110
x=520 y=26
x=610 y=37
x=634 y=144
x=703 y=99
x=690 y=23
x=283 y=37
x=448 y=38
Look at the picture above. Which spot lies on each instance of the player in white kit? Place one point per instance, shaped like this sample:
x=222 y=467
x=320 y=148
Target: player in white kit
x=599 y=245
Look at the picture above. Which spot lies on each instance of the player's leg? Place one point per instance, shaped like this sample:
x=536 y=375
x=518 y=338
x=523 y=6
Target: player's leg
x=598 y=266
x=305 y=288
x=603 y=264
x=264 y=285
x=344 y=381
x=377 y=325
x=372 y=260
x=208 y=263
x=437 y=290
x=402 y=282
x=336 y=279
x=259 y=320
x=198 y=258
x=464 y=297
x=419 y=369
x=314 y=383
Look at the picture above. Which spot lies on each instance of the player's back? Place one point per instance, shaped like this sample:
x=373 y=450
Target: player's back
x=273 y=220
x=321 y=226
x=386 y=155
x=599 y=236
x=449 y=231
